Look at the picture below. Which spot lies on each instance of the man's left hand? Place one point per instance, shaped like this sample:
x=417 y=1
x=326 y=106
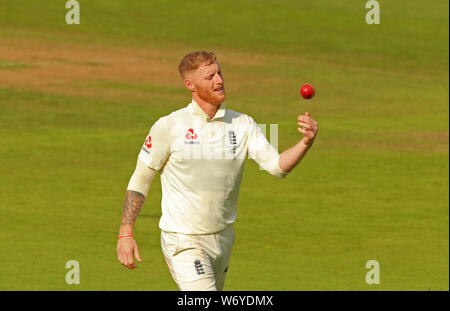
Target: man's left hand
x=308 y=127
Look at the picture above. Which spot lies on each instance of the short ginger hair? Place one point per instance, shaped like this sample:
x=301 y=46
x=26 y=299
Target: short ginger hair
x=193 y=60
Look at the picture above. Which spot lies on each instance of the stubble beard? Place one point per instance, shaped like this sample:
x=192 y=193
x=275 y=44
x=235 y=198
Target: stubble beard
x=210 y=97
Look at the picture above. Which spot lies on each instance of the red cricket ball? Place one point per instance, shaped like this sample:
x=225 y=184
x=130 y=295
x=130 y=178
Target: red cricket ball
x=307 y=91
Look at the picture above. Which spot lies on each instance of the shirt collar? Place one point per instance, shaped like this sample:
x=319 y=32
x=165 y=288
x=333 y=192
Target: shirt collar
x=197 y=110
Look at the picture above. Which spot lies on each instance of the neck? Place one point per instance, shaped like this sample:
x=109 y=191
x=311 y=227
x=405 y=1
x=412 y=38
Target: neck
x=209 y=108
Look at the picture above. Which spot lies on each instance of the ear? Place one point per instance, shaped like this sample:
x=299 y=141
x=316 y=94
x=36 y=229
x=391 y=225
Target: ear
x=189 y=85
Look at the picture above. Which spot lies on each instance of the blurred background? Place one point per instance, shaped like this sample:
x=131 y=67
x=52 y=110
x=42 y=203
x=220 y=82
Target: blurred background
x=77 y=101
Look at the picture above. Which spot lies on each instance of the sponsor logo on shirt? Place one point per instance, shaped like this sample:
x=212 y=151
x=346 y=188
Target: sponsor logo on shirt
x=191 y=137
x=148 y=142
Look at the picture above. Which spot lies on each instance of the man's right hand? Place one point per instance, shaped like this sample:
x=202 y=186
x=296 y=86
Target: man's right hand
x=126 y=248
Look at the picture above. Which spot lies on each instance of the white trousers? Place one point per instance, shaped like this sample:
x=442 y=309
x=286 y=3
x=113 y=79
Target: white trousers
x=198 y=262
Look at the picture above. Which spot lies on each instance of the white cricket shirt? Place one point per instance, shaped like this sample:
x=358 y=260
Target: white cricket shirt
x=201 y=160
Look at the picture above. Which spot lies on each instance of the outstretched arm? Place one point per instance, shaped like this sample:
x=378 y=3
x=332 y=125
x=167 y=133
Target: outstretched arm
x=292 y=156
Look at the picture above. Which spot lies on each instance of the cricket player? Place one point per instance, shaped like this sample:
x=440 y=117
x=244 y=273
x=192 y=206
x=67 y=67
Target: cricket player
x=199 y=152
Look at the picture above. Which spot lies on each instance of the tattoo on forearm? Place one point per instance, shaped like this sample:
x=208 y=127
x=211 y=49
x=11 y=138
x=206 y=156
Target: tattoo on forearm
x=131 y=207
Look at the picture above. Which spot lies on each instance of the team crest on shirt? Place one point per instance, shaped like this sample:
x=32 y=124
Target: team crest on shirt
x=191 y=137
x=199 y=267
x=232 y=141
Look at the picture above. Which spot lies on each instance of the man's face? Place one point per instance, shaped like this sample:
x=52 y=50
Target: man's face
x=207 y=82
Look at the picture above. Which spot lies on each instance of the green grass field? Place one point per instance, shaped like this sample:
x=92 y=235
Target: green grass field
x=76 y=102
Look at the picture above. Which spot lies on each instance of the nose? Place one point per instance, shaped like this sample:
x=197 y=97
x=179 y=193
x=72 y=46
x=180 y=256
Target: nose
x=219 y=79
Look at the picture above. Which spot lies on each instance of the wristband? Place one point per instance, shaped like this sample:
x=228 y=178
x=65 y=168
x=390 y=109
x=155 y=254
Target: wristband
x=125 y=235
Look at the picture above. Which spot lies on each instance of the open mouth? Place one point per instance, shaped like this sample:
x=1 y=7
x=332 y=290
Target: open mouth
x=219 y=89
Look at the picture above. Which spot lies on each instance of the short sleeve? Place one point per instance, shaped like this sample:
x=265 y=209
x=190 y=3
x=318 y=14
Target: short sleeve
x=262 y=152
x=156 y=148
